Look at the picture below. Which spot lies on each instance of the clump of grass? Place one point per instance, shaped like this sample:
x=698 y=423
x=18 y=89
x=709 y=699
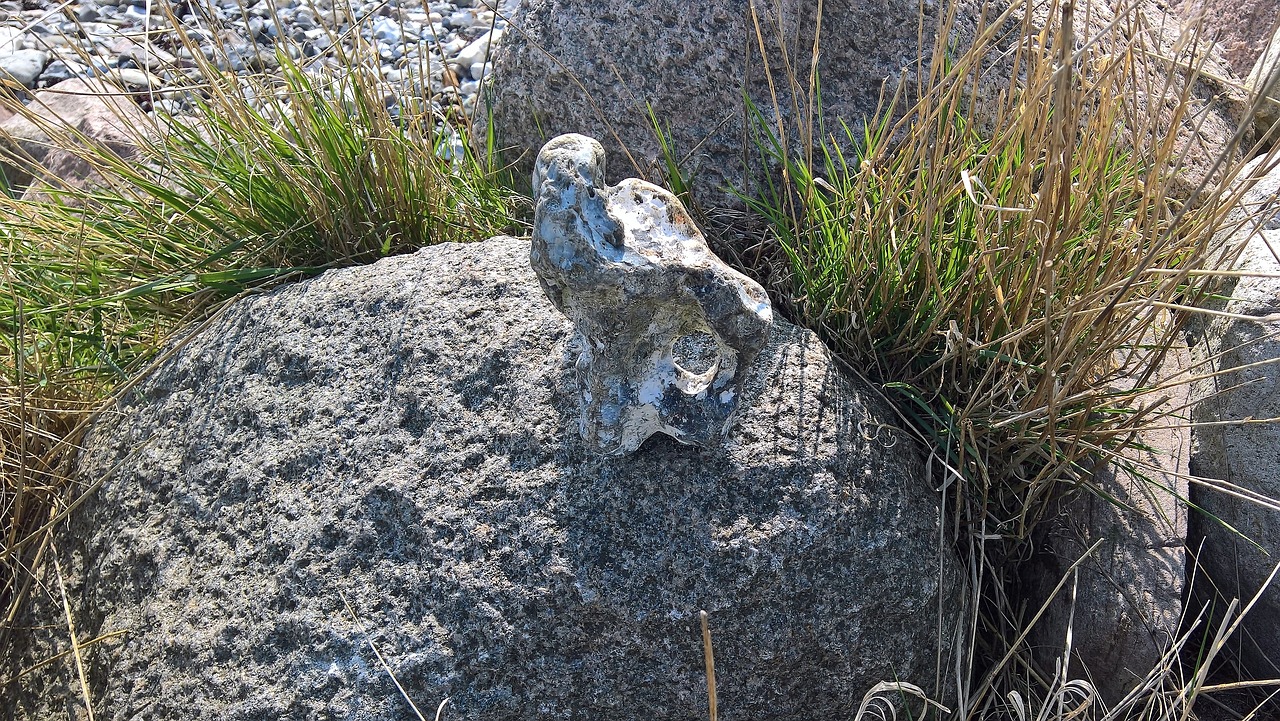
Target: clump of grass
x=1014 y=270
x=1008 y=283
x=269 y=177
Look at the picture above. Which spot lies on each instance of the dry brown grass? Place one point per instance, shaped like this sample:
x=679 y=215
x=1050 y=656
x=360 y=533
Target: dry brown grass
x=1012 y=254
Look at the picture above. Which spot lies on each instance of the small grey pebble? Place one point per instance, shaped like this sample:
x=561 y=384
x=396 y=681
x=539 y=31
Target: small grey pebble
x=55 y=72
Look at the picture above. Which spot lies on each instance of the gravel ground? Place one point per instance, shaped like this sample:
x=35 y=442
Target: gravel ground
x=435 y=50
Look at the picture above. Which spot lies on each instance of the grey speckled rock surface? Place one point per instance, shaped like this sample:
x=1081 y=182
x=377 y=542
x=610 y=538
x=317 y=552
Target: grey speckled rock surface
x=405 y=435
x=591 y=67
x=595 y=67
x=1245 y=351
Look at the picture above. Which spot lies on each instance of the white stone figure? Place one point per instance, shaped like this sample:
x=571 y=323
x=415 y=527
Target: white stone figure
x=668 y=329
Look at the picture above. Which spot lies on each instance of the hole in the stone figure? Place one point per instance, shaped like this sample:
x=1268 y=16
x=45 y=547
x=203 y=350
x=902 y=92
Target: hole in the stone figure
x=695 y=352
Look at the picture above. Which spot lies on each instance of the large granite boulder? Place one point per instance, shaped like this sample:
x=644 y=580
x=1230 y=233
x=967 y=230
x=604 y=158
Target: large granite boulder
x=404 y=437
x=1236 y=539
x=596 y=67
x=592 y=67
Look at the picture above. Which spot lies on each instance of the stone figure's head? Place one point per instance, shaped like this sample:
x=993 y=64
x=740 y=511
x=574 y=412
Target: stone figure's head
x=667 y=330
x=569 y=158
x=569 y=174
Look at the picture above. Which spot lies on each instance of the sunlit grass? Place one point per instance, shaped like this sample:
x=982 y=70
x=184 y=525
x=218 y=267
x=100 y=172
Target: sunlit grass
x=271 y=178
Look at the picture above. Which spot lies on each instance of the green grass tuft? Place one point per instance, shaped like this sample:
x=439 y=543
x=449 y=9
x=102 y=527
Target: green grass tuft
x=271 y=177
x=1010 y=282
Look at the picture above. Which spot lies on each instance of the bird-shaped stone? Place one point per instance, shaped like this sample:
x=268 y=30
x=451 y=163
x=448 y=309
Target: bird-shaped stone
x=667 y=328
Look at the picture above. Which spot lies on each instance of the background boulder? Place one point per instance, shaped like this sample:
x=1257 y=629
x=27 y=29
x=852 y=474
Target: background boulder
x=404 y=436
x=1241 y=28
x=596 y=67
x=1236 y=540
x=82 y=110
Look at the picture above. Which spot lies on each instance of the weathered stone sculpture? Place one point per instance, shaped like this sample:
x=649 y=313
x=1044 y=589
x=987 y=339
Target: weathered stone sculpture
x=667 y=329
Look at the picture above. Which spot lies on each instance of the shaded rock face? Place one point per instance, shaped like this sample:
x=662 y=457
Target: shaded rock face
x=1242 y=456
x=595 y=67
x=404 y=436
x=668 y=331
x=1124 y=608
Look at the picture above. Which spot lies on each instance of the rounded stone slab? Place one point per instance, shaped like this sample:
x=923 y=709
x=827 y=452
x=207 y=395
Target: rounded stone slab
x=404 y=436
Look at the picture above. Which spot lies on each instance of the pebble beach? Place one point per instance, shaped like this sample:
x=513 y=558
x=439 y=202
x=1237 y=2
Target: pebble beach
x=436 y=51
